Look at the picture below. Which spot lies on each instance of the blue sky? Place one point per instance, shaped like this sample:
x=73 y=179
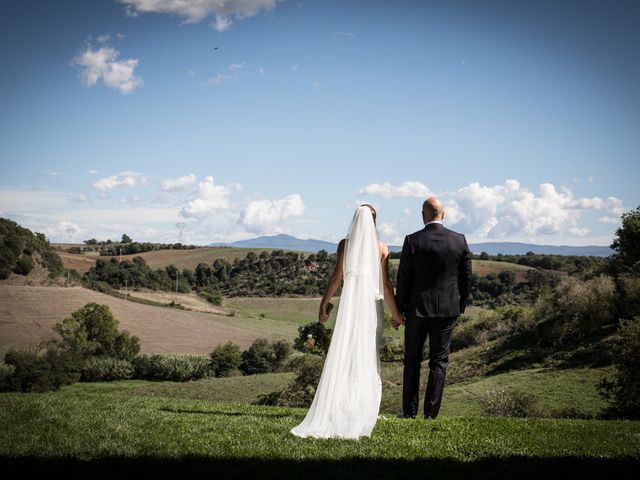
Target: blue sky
x=123 y=117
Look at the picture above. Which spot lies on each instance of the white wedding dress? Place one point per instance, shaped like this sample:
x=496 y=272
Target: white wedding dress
x=347 y=401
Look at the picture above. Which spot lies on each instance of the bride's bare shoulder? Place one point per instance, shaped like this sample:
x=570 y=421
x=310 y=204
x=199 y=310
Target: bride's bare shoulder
x=384 y=250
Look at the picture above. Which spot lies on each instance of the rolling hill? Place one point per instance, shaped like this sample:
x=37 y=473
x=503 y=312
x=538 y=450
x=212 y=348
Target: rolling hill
x=288 y=242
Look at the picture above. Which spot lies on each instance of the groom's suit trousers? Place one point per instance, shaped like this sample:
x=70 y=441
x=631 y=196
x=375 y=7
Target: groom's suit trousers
x=415 y=334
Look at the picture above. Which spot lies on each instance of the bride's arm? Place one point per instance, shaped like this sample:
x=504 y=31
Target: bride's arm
x=389 y=296
x=332 y=285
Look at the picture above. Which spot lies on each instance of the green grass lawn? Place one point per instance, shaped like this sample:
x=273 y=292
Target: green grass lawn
x=93 y=432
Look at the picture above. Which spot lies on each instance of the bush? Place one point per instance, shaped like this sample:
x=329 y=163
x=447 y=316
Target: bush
x=490 y=325
x=38 y=370
x=623 y=393
x=302 y=388
x=24 y=264
x=105 y=369
x=225 y=358
x=264 y=356
x=171 y=366
x=93 y=330
x=6 y=370
x=212 y=296
x=391 y=350
x=313 y=337
x=501 y=403
x=576 y=309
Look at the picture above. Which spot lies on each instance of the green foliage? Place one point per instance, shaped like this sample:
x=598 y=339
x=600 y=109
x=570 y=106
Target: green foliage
x=627 y=243
x=126 y=238
x=302 y=388
x=41 y=368
x=264 y=356
x=391 y=349
x=24 y=265
x=490 y=325
x=93 y=330
x=17 y=246
x=575 y=310
x=320 y=338
x=171 y=366
x=225 y=358
x=104 y=369
x=502 y=403
x=212 y=296
x=623 y=392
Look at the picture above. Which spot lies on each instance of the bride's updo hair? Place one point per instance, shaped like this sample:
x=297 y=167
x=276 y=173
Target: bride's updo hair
x=373 y=210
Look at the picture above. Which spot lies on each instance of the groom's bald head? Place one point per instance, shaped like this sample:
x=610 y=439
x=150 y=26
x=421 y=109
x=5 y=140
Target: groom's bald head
x=432 y=209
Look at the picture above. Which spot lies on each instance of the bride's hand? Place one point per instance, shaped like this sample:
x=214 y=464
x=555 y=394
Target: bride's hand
x=322 y=314
x=397 y=320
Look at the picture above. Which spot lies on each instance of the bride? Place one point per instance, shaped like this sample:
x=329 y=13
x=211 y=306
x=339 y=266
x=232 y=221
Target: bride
x=347 y=400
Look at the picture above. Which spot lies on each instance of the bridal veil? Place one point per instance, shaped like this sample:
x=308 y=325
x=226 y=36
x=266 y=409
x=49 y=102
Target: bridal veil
x=347 y=401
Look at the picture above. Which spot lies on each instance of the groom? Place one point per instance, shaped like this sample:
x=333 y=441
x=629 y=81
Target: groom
x=433 y=285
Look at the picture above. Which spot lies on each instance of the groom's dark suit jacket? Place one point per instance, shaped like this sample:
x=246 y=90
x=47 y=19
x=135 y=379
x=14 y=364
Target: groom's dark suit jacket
x=434 y=276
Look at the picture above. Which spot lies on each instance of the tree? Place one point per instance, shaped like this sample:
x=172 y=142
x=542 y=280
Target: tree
x=225 y=358
x=93 y=330
x=627 y=243
x=125 y=238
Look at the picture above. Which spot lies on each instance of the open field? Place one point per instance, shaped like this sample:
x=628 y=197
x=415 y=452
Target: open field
x=100 y=433
x=28 y=313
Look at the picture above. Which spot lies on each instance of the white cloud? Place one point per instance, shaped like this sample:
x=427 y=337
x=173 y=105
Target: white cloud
x=79 y=199
x=103 y=38
x=102 y=64
x=502 y=211
x=92 y=171
x=195 y=11
x=387 y=190
x=230 y=73
x=260 y=70
x=65 y=231
x=208 y=199
x=112 y=181
x=133 y=200
x=190 y=72
x=181 y=183
x=389 y=233
x=270 y=216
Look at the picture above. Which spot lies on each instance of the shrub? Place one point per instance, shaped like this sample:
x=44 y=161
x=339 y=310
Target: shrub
x=575 y=309
x=264 y=356
x=212 y=296
x=6 y=370
x=38 y=370
x=104 y=369
x=313 y=337
x=623 y=393
x=24 y=264
x=302 y=388
x=93 y=330
x=391 y=350
x=501 y=403
x=171 y=366
x=225 y=358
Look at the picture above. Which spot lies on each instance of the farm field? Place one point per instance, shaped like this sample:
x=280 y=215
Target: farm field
x=28 y=313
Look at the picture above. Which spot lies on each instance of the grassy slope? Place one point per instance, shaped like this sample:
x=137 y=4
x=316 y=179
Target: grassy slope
x=95 y=433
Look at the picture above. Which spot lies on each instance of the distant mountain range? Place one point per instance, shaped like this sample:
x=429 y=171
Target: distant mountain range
x=287 y=242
